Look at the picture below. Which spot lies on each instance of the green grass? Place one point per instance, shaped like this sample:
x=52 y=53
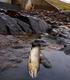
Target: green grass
x=60 y=4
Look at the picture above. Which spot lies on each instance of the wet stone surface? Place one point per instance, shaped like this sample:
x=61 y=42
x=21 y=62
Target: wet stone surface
x=14 y=22
x=13 y=49
x=52 y=28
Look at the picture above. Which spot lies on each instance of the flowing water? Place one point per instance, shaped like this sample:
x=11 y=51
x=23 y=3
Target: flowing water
x=60 y=68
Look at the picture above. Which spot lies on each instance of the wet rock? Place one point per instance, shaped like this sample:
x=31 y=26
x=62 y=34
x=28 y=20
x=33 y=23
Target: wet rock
x=12 y=57
x=66 y=49
x=14 y=66
x=45 y=62
x=38 y=25
x=11 y=25
x=65 y=31
x=19 y=26
x=14 y=50
x=4 y=42
x=14 y=28
x=19 y=23
x=8 y=40
x=3 y=29
x=5 y=66
x=17 y=47
x=24 y=26
x=15 y=59
x=6 y=6
x=12 y=39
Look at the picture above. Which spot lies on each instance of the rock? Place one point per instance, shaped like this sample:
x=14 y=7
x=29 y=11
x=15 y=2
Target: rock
x=24 y=26
x=66 y=49
x=45 y=62
x=15 y=59
x=12 y=58
x=6 y=6
x=21 y=24
x=11 y=25
x=12 y=39
x=4 y=42
x=38 y=25
x=5 y=66
x=17 y=47
x=3 y=29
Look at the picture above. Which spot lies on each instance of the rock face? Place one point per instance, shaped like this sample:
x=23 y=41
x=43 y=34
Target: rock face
x=27 y=24
x=10 y=25
x=38 y=25
x=20 y=23
x=7 y=6
x=14 y=22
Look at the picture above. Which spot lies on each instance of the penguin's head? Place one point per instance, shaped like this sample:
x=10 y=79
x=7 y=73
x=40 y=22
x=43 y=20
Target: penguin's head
x=38 y=43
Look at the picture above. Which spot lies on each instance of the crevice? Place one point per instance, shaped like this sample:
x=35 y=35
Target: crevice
x=21 y=27
x=24 y=19
x=8 y=30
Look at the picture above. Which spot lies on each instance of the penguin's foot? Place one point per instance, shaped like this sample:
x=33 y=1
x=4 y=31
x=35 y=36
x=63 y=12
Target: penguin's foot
x=33 y=70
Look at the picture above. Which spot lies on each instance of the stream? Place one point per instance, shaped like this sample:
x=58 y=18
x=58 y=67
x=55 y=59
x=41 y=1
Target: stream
x=60 y=68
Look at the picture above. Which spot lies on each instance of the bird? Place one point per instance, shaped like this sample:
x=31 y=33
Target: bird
x=29 y=6
x=36 y=58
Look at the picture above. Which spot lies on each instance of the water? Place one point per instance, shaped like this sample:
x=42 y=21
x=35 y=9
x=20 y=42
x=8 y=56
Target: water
x=60 y=68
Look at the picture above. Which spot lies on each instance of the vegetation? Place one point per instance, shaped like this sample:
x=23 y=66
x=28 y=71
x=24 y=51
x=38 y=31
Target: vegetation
x=60 y=4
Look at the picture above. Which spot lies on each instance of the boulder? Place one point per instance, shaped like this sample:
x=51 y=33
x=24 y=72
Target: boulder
x=21 y=24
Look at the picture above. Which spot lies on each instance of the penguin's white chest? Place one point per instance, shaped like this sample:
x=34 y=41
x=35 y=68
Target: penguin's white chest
x=35 y=54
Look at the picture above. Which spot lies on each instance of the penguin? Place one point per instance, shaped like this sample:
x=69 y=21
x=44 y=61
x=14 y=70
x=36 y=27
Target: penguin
x=24 y=4
x=36 y=58
x=29 y=6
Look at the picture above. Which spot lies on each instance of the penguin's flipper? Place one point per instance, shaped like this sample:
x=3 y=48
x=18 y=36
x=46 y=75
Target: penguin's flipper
x=44 y=61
